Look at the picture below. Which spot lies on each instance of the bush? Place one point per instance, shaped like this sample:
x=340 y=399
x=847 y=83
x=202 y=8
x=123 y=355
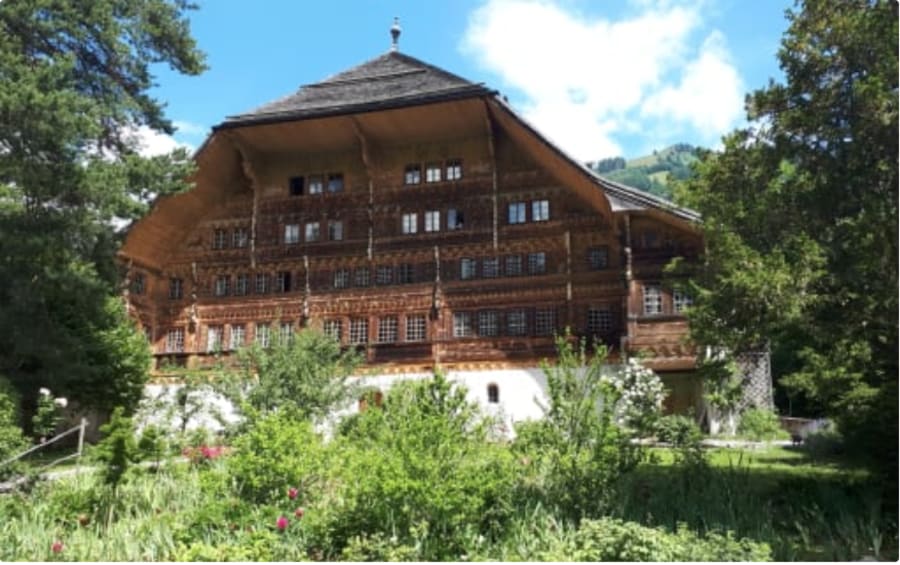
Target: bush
x=11 y=439
x=825 y=443
x=760 y=424
x=678 y=430
x=118 y=450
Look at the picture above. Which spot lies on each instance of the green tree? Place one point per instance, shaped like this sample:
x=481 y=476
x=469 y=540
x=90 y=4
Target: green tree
x=800 y=217
x=74 y=90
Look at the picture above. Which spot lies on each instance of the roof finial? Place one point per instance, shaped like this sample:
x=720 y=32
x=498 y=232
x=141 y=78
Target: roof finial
x=395 y=33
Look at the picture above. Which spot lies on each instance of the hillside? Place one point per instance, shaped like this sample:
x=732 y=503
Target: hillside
x=651 y=173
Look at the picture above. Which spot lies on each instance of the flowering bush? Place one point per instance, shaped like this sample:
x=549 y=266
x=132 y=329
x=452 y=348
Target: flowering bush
x=639 y=392
x=47 y=416
x=204 y=453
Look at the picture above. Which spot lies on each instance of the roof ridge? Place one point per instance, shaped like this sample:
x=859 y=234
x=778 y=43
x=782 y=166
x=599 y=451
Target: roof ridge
x=364 y=79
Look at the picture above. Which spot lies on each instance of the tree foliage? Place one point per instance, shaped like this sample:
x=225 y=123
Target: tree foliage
x=75 y=80
x=800 y=216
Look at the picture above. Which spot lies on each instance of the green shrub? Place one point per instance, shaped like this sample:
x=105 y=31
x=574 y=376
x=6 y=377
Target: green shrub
x=760 y=424
x=118 y=449
x=678 y=430
x=12 y=441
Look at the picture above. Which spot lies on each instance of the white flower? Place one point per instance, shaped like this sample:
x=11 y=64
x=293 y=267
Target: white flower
x=61 y=402
x=44 y=391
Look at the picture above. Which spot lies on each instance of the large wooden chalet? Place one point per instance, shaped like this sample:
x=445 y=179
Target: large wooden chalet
x=413 y=214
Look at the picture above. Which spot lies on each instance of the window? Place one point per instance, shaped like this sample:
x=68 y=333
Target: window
x=291 y=233
x=433 y=221
x=681 y=300
x=316 y=184
x=332 y=328
x=409 y=223
x=286 y=333
x=241 y=285
x=240 y=237
x=359 y=331
x=361 y=277
x=213 y=339
x=433 y=172
x=336 y=182
x=220 y=239
x=652 y=299
x=342 y=278
x=540 y=210
x=262 y=334
x=455 y=219
x=516 y=213
x=412 y=174
x=490 y=268
x=176 y=288
x=335 y=230
x=262 y=283
x=295 y=186
x=221 y=286
x=387 y=329
x=312 y=231
x=493 y=393
x=175 y=340
x=515 y=322
x=462 y=324
x=537 y=263
x=598 y=258
x=415 y=328
x=137 y=284
x=406 y=273
x=488 y=323
x=384 y=275
x=237 y=336
x=467 y=268
x=454 y=169
x=545 y=321
x=513 y=265
x=599 y=321
x=283 y=281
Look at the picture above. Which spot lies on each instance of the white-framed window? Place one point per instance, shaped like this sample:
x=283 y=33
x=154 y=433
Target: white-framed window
x=488 y=323
x=175 y=340
x=336 y=182
x=213 y=339
x=513 y=265
x=433 y=172
x=332 y=328
x=240 y=238
x=312 y=231
x=468 y=268
x=493 y=393
x=490 y=268
x=176 y=288
x=283 y=281
x=220 y=239
x=412 y=174
x=454 y=169
x=599 y=321
x=221 y=286
x=361 y=277
x=516 y=213
x=291 y=234
x=515 y=322
x=286 y=332
x=335 y=230
x=681 y=300
x=262 y=334
x=455 y=219
x=410 y=223
x=537 y=263
x=262 y=283
x=316 y=184
x=540 y=210
x=241 y=284
x=406 y=273
x=462 y=324
x=652 y=299
x=384 y=275
x=342 y=278
x=433 y=220
x=359 y=331
x=237 y=336
x=415 y=327
x=598 y=258
x=387 y=329
x=544 y=321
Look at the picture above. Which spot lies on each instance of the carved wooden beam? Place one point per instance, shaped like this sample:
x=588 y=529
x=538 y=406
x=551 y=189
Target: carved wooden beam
x=489 y=129
x=367 y=161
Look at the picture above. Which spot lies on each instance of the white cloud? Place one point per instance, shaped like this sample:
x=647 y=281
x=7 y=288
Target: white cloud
x=190 y=128
x=151 y=142
x=585 y=80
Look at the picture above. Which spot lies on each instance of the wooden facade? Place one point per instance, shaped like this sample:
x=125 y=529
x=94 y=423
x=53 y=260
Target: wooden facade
x=414 y=215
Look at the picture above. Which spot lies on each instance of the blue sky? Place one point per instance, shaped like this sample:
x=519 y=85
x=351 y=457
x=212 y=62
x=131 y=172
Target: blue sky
x=600 y=78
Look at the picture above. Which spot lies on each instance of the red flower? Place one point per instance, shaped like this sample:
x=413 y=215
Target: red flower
x=56 y=547
x=298 y=512
x=281 y=523
x=292 y=493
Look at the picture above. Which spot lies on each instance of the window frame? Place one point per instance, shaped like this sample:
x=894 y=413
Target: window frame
x=335 y=230
x=359 y=331
x=433 y=172
x=316 y=184
x=176 y=288
x=235 y=342
x=516 y=213
x=516 y=327
x=341 y=279
x=409 y=223
x=432 y=221
x=214 y=338
x=312 y=232
x=175 y=340
x=453 y=170
x=456 y=219
x=468 y=268
x=416 y=325
x=291 y=234
x=262 y=334
x=488 y=323
x=462 y=325
x=222 y=286
x=388 y=330
x=537 y=263
x=545 y=322
x=333 y=328
x=412 y=174
x=240 y=238
x=335 y=182
x=651 y=299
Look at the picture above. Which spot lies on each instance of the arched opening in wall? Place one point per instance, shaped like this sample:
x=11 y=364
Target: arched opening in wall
x=372 y=397
x=493 y=393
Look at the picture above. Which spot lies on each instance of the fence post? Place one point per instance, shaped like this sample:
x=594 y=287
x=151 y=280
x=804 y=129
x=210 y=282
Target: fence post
x=81 y=441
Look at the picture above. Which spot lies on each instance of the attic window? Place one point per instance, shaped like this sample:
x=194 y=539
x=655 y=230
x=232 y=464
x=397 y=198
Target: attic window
x=336 y=182
x=412 y=175
x=433 y=172
x=296 y=186
x=316 y=184
x=454 y=169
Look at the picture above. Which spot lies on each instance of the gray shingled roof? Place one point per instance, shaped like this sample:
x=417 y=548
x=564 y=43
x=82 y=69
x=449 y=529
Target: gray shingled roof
x=389 y=81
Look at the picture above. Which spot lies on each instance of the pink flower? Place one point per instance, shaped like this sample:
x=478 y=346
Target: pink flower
x=299 y=512
x=57 y=546
x=281 y=523
x=292 y=493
